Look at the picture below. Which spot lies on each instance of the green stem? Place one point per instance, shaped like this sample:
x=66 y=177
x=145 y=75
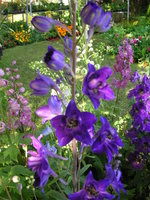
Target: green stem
x=74 y=60
x=61 y=190
x=1 y=180
x=115 y=102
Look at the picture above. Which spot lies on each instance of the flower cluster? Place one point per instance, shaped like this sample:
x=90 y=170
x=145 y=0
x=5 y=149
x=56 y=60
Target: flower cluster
x=122 y=66
x=63 y=31
x=140 y=129
x=19 y=113
x=21 y=36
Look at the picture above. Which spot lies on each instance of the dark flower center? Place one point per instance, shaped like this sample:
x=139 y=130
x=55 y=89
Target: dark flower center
x=92 y=190
x=109 y=136
x=145 y=145
x=72 y=123
x=49 y=55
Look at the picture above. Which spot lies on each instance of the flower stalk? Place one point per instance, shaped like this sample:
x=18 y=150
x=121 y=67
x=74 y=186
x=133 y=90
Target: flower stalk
x=74 y=55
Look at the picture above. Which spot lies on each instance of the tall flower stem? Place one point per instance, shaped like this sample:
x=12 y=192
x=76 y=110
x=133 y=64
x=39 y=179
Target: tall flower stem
x=117 y=96
x=74 y=145
x=2 y=182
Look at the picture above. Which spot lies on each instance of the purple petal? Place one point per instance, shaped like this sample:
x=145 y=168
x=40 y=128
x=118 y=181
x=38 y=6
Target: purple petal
x=42 y=23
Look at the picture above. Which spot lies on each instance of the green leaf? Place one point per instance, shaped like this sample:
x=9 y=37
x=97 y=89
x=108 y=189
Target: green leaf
x=20 y=170
x=11 y=152
x=84 y=169
x=52 y=194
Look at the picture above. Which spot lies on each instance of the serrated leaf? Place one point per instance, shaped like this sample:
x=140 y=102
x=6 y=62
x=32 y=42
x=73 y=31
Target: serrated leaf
x=19 y=170
x=84 y=169
x=55 y=195
x=11 y=152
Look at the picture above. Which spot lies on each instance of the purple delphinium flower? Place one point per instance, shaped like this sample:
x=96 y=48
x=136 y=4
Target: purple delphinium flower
x=2 y=127
x=107 y=140
x=135 y=76
x=54 y=59
x=143 y=144
x=95 y=85
x=94 y=16
x=141 y=89
x=38 y=161
x=51 y=110
x=42 y=85
x=74 y=124
x=114 y=175
x=137 y=160
x=42 y=23
x=92 y=189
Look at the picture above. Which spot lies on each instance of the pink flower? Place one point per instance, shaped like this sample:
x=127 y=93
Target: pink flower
x=22 y=89
x=135 y=40
x=2 y=73
x=7 y=69
x=3 y=82
x=10 y=92
x=19 y=84
x=148 y=49
x=17 y=76
x=15 y=70
x=13 y=63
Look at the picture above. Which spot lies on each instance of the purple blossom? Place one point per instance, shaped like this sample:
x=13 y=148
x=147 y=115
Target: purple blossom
x=42 y=85
x=42 y=23
x=95 y=16
x=114 y=175
x=38 y=162
x=51 y=110
x=54 y=59
x=137 y=160
x=74 y=124
x=134 y=77
x=95 y=85
x=107 y=140
x=92 y=189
